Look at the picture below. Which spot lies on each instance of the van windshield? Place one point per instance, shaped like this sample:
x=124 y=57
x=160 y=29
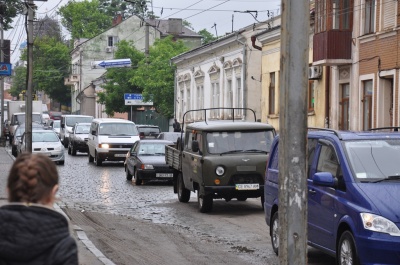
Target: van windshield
x=20 y=118
x=239 y=141
x=70 y=121
x=118 y=129
x=374 y=159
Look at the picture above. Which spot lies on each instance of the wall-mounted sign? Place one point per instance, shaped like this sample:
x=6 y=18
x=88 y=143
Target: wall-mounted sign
x=5 y=69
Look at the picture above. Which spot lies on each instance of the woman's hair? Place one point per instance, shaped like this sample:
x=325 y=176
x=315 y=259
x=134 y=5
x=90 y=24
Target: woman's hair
x=31 y=179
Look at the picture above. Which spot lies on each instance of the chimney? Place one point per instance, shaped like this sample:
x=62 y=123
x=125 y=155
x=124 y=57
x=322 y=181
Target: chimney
x=174 y=26
x=117 y=19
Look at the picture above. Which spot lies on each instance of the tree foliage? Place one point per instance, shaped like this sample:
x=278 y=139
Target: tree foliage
x=51 y=65
x=117 y=80
x=124 y=7
x=207 y=36
x=9 y=9
x=152 y=76
x=155 y=75
x=84 y=19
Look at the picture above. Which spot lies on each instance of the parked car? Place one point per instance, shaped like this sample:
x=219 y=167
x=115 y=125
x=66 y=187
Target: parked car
x=146 y=161
x=78 y=138
x=353 y=184
x=45 y=142
x=147 y=131
x=56 y=126
x=67 y=121
x=170 y=136
x=19 y=131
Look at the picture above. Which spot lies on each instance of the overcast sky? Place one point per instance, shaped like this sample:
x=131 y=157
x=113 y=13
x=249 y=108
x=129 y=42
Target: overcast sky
x=202 y=14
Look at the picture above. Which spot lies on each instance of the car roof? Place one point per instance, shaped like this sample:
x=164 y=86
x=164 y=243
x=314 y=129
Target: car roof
x=354 y=135
x=229 y=125
x=156 y=141
x=111 y=120
x=147 y=125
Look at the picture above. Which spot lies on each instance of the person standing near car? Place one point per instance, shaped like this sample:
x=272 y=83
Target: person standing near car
x=32 y=231
x=176 y=126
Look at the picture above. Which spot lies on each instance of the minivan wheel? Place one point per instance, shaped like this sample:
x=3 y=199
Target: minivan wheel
x=98 y=161
x=183 y=193
x=275 y=232
x=91 y=158
x=346 y=252
x=205 y=202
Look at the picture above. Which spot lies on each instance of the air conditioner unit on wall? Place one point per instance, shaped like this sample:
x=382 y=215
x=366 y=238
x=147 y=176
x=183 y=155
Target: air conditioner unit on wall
x=109 y=49
x=314 y=72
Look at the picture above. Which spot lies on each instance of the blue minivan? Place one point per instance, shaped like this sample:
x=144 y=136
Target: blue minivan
x=353 y=187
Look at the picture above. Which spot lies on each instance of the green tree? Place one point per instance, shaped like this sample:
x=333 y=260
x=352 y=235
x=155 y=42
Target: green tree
x=84 y=19
x=117 y=85
x=207 y=36
x=125 y=7
x=9 y=9
x=50 y=66
x=19 y=81
x=155 y=75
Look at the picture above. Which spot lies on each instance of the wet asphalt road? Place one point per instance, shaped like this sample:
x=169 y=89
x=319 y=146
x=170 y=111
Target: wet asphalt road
x=237 y=226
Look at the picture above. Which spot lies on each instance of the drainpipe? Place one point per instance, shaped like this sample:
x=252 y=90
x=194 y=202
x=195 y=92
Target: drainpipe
x=244 y=74
x=327 y=95
x=253 y=43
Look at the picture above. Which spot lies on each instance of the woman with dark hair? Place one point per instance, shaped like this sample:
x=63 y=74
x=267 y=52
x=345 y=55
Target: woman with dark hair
x=31 y=231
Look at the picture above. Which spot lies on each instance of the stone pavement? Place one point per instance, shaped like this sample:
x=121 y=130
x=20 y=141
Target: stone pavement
x=88 y=253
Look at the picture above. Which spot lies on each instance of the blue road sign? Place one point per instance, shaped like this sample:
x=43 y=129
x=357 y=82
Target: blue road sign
x=136 y=99
x=111 y=63
x=5 y=69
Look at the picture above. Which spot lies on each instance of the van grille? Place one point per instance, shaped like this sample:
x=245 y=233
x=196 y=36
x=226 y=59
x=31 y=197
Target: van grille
x=121 y=145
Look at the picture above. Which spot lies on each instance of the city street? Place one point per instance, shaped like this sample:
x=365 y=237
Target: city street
x=146 y=224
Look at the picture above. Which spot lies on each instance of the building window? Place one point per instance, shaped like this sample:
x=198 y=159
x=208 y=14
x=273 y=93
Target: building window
x=182 y=107
x=320 y=16
x=112 y=41
x=239 y=97
x=311 y=96
x=229 y=102
x=367 y=104
x=344 y=121
x=271 y=93
x=388 y=14
x=200 y=101
x=369 y=16
x=215 y=98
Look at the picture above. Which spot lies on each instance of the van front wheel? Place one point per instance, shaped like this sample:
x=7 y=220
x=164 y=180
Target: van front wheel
x=205 y=202
x=275 y=233
x=183 y=193
x=347 y=253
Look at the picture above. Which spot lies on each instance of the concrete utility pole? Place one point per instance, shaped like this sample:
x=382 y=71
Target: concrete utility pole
x=2 y=139
x=293 y=132
x=28 y=104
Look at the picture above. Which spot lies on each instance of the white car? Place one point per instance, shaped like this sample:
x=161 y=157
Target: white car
x=45 y=142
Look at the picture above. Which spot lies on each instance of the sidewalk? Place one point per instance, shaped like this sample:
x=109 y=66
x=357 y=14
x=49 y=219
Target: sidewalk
x=88 y=253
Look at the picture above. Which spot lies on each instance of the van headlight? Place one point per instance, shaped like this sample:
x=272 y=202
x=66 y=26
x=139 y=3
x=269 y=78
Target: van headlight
x=219 y=170
x=379 y=224
x=58 y=148
x=106 y=146
x=147 y=166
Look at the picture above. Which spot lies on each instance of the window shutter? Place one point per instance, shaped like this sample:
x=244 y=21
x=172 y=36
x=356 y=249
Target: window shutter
x=389 y=12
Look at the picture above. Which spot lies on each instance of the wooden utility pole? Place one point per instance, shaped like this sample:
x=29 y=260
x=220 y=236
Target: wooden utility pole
x=293 y=132
x=28 y=95
x=2 y=136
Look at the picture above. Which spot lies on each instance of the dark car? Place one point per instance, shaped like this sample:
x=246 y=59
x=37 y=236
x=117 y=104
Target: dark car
x=169 y=136
x=147 y=131
x=78 y=138
x=353 y=186
x=146 y=161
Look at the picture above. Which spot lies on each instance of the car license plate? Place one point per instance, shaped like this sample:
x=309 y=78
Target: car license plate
x=120 y=155
x=164 y=175
x=247 y=186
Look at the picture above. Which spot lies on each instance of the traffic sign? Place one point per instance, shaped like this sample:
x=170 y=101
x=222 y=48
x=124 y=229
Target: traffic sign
x=111 y=63
x=5 y=69
x=136 y=100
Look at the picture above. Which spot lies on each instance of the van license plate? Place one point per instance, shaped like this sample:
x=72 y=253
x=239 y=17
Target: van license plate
x=164 y=175
x=120 y=155
x=247 y=186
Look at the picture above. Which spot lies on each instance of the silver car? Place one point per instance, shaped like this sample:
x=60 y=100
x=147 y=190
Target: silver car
x=45 y=142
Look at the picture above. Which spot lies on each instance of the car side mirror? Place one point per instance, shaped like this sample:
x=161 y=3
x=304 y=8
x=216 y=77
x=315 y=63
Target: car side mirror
x=63 y=126
x=93 y=132
x=141 y=135
x=195 y=146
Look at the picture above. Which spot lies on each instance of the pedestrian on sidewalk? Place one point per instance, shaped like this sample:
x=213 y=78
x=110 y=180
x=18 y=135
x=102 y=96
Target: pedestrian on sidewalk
x=31 y=230
x=176 y=126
